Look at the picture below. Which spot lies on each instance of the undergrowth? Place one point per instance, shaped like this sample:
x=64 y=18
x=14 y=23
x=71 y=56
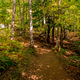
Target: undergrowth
x=63 y=51
x=77 y=45
x=11 y=52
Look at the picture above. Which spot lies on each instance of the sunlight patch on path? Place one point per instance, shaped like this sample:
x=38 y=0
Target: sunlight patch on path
x=35 y=77
x=45 y=51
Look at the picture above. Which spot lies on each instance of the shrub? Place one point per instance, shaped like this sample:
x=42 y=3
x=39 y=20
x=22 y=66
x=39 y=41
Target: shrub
x=10 y=51
x=63 y=51
x=31 y=51
x=75 y=57
x=77 y=44
x=5 y=62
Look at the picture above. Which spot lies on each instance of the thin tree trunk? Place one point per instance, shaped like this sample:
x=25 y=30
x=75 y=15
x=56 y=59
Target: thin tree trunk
x=61 y=38
x=65 y=32
x=53 y=35
x=20 y=12
x=57 y=40
x=24 y=28
x=44 y=22
x=74 y=24
x=65 y=35
x=13 y=21
x=53 y=29
x=31 y=25
x=61 y=33
x=23 y=13
x=48 y=34
x=26 y=10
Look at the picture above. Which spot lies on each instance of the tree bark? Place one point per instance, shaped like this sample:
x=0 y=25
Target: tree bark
x=53 y=29
x=48 y=34
x=13 y=21
x=20 y=12
x=24 y=27
x=65 y=33
x=61 y=38
x=74 y=24
x=26 y=10
x=61 y=33
x=44 y=23
x=31 y=25
x=57 y=40
x=53 y=35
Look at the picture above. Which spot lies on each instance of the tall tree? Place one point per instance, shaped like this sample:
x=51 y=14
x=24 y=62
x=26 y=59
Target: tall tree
x=31 y=24
x=57 y=41
x=20 y=11
x=13 y=21
x=48 y=31
x=44 y=21
x=53 y=27
x=61 y=31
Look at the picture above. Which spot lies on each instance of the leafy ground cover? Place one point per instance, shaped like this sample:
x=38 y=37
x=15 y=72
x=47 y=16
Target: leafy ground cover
x=12 y=53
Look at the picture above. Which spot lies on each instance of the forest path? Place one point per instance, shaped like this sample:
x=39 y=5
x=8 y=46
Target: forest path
x=46 y=66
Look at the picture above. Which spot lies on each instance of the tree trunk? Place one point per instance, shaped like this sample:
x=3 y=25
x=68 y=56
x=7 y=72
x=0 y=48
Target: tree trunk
x=61 y=38
x=23 y=12
x=26 y=10
x=53 y=29
x=57 y=40
x=65 y=34
x=31 y=25
x=20 y=12
x=74 y=24
x=24 y=27
x=61 y=32
x=20 y=17
x=48 y=34
x=53 y=35
x=44 y=23
x=13 y=21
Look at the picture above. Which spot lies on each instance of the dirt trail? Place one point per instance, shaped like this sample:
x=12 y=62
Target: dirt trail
x=46 y=66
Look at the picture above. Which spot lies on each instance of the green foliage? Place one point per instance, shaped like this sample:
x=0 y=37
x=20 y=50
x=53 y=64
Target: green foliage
x=5 y=62
x=10 y=51
x=75 y=57
x=74 y=60
x=63 y=50
x=31 y=51
x=77 y=44
x=73 y=64
x=2 y=68
x=56 y=47
x=68 y=40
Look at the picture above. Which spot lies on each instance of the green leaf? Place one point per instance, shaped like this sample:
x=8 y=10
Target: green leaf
x=2 y=68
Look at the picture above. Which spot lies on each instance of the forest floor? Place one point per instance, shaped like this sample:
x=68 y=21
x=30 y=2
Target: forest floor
x=45 y=65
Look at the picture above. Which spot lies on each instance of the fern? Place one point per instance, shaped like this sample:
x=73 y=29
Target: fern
x=2 y=68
